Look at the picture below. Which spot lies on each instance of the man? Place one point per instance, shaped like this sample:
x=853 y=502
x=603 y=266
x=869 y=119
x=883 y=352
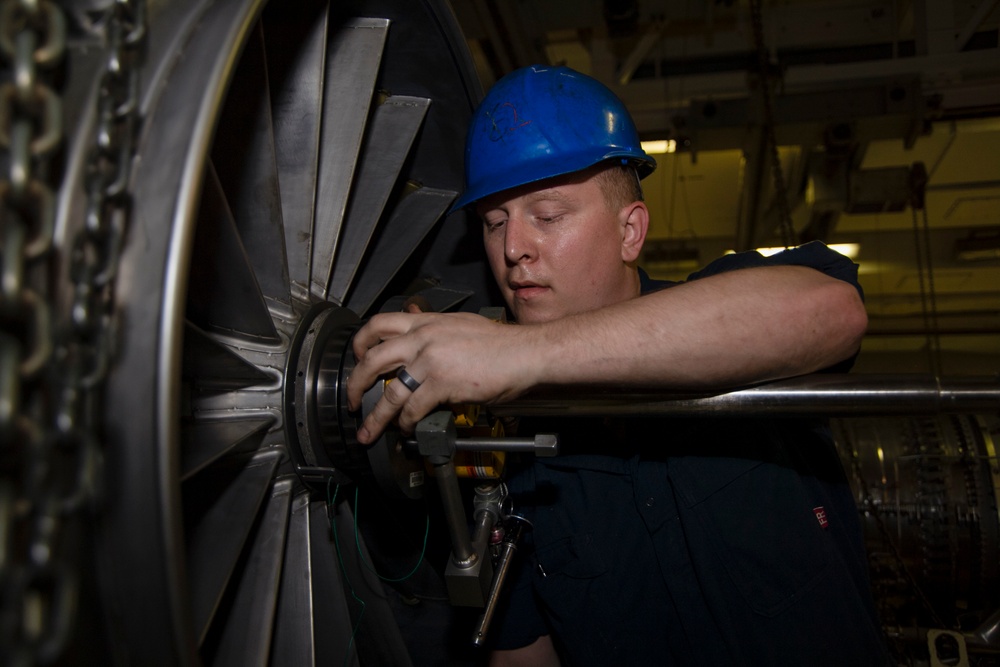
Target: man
x=655 y=541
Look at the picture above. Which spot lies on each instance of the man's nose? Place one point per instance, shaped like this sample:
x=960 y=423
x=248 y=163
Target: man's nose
x=518 y=241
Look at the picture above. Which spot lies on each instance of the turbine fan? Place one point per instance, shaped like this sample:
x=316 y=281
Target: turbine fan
x=293 y=172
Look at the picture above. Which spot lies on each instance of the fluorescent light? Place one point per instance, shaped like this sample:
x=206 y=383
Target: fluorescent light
x=978 y=247
x=767 y=252
x=847 y=249
x=659 y=146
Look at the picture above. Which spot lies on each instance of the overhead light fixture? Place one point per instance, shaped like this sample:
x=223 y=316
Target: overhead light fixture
x=850 y=250
x=659 y=146
x=980 y=245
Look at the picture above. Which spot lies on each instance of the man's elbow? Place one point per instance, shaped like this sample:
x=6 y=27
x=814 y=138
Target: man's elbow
x=853 y=319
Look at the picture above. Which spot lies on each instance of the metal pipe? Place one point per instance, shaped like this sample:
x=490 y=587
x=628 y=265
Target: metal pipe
x=818 y=394
x=543 y=444
x=454 y=512
x=486 y=512
x=515 y=528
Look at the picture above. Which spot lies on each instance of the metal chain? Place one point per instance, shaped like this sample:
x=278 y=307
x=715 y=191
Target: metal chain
x=32 y=43
x=50 y=380
x=928 y=293
x=778 y=176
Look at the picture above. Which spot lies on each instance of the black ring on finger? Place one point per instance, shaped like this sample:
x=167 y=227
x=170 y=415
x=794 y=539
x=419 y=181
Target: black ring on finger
x=408 y=380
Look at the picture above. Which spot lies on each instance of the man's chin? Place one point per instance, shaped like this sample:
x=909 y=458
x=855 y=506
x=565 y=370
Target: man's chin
x=535 y=315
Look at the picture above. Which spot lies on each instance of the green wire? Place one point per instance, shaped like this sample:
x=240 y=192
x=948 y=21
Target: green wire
x=331 y=501
x=357 y=542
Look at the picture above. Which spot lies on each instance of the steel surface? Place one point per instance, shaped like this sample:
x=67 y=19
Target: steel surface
x=203 y=442
x=296 y=70
x=354 y=54
x=293 y=629
x=819 y=394
x=393 y=127
x=246 y=639
x=224 y=295
x=245 y=161
x=224 y=511
x=410 y=221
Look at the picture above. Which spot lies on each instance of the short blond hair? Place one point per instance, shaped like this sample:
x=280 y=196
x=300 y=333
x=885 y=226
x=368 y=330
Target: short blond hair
x=620 y=185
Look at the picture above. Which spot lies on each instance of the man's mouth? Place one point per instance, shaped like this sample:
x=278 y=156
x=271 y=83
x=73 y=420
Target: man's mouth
x=525 y=290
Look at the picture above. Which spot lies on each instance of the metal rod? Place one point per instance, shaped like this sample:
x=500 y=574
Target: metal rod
x=481 y=530
x=543 y=444
x=508 y=548
x=818 y=394
x=454 y=512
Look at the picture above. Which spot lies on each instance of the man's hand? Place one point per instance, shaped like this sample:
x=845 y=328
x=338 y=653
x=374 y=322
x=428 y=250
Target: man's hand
x=722 y=331
x=456 y=358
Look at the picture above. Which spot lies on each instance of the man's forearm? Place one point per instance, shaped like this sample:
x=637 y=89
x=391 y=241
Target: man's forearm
x=730 y=329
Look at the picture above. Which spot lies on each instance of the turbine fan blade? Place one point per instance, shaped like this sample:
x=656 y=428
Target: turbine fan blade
x=394 y=126
x=413 y=217
x=334 y=646
x=293 y=632
x=247 y=168
x=353 y=57
x=203 y=442
x=222 y=506
x=209 y=364
x=224 y=294
x=246 y=639
x=295 y=35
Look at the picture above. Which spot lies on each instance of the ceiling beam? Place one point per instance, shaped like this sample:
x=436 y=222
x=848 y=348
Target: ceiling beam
x=648 y=40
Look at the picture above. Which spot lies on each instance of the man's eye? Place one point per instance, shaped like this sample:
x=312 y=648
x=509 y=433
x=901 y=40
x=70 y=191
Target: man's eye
x=493 y=225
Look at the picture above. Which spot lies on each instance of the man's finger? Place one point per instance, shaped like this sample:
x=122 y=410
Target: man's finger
x=379 y=361
x=379 y=328
x=419 y=405
x=394 y=397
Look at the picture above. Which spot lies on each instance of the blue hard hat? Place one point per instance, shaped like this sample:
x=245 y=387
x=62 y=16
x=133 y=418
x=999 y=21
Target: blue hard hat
x=541 y=121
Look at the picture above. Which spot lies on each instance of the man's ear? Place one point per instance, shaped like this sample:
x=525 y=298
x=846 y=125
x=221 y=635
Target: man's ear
x=635 y=223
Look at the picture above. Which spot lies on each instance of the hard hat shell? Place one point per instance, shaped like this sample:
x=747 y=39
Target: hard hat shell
x=541 y=121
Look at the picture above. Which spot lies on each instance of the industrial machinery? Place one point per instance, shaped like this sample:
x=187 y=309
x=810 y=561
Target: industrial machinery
x=202 y=200
x=234 y=186
x=927 y=488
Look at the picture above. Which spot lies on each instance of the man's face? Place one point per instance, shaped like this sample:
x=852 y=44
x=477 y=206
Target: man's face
x=555 y=248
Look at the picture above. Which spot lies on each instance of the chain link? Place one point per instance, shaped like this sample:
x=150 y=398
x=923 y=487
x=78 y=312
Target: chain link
x=767 y=95
x=51 y=381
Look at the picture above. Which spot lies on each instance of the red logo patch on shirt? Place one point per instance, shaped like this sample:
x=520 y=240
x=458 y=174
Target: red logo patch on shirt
x=820 y=513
